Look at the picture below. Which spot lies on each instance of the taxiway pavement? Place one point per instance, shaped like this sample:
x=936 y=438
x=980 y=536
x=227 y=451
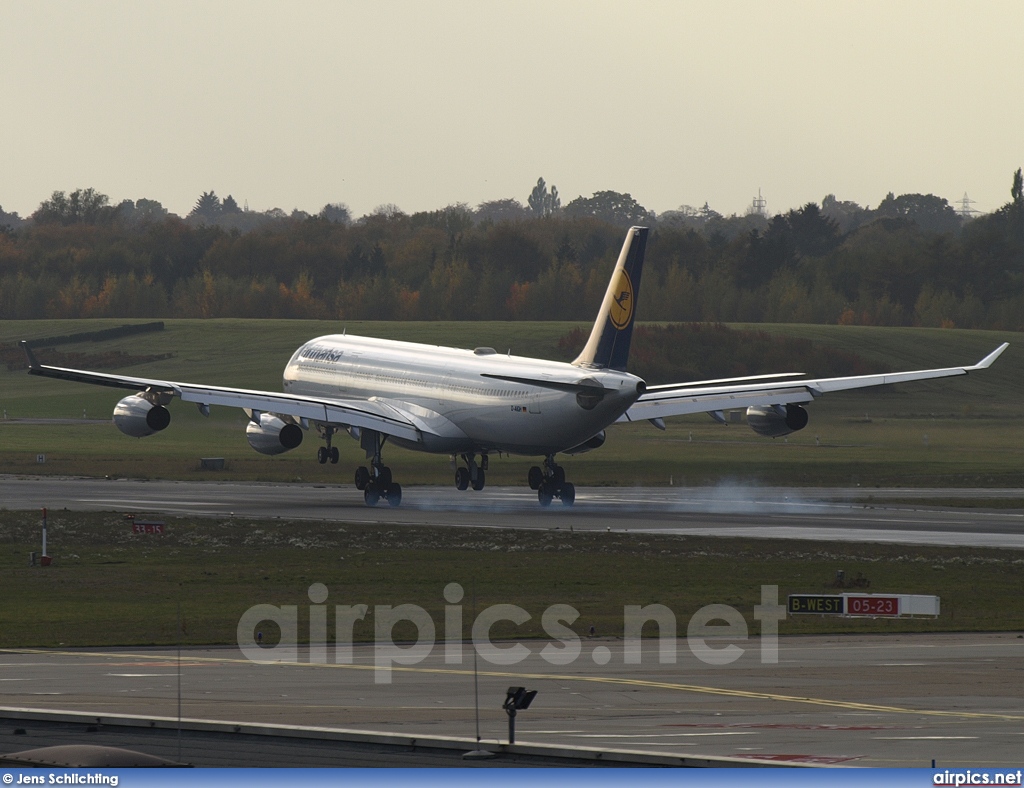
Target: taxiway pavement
x=898 y=700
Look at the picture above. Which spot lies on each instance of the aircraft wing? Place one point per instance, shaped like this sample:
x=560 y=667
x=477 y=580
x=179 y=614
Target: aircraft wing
x=367 y=414
x=680 y=399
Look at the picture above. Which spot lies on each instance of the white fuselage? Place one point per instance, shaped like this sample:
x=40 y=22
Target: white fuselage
x=447 y=389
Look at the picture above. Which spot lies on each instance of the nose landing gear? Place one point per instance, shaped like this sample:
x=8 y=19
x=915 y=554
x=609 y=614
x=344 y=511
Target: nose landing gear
x=328 y=453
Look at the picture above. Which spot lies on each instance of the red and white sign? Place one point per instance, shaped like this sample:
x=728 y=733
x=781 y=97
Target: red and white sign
x=872 y=605
x=143 y=527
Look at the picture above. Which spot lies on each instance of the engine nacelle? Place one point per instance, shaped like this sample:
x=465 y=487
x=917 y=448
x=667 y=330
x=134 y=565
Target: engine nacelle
x=776 y=421
x=138 y=417
x=590 y=444
x=272 y=435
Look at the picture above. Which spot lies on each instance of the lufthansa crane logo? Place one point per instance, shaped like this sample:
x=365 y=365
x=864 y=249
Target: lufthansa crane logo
x=621 y=313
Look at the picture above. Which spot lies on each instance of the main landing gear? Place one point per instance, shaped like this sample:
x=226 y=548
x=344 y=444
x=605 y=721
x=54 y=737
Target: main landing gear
x=375 y=481
x=473 y=475
x=550 y=483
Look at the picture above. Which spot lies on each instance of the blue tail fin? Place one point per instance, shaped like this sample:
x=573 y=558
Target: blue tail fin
x=608 y=346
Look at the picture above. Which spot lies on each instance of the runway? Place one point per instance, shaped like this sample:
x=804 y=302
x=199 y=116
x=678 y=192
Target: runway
x=832 y=514
x=898 y=700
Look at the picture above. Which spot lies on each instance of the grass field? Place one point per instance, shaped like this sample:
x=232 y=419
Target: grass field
x=959 y=432
x=109 y=586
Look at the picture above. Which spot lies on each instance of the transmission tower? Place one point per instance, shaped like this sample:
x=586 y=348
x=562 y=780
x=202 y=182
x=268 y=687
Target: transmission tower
x=966 y=211
x=760 y=205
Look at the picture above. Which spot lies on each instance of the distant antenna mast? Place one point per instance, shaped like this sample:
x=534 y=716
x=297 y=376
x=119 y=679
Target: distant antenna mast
x=760 y=205
x=966 y=211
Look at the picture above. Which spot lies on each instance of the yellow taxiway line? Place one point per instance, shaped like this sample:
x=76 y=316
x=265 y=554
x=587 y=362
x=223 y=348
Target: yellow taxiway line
x=612 y=680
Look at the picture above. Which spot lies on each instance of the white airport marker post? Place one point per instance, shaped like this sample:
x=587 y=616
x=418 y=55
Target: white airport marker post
x=45 y=559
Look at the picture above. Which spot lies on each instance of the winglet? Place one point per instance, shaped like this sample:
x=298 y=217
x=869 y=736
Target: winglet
x=33 y=362
x=986 y=362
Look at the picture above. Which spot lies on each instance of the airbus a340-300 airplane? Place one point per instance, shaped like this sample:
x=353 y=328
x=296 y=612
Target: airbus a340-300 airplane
x=476 y=403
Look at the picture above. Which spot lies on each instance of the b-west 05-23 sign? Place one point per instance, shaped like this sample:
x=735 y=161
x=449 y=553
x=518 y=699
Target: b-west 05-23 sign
x=871 y=605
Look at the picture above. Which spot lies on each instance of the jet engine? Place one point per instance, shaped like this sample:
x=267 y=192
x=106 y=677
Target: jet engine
x=138 y=417
x=272 y=435
x=774 y=421
x=590 y=444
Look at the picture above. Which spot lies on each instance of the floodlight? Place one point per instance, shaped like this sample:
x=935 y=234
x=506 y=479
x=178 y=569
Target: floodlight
x=516 y=699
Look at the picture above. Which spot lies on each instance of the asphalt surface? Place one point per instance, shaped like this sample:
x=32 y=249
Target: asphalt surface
x=835 y=514
x=308 y=749
x=899 y=700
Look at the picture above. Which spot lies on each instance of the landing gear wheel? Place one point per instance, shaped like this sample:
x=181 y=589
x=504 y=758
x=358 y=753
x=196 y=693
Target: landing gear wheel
x=322 y=455
x=335 y=455
x=478 y=482
x=462 y=478
x=376 y=481
x=550 y=483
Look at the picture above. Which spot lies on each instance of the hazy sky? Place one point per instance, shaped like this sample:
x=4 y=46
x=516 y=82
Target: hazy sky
x=422 y=104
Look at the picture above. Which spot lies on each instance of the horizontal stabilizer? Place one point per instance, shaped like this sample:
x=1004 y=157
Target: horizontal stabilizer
x=587 y=384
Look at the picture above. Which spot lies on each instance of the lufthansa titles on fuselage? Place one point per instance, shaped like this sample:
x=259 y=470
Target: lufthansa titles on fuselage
x=487 y=396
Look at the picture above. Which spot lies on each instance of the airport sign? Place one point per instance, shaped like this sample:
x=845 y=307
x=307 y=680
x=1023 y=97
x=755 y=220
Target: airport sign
x=871 y=605
x=822 y=604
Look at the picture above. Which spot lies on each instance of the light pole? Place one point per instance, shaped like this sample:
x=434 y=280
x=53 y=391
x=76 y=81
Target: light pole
x=516 y=699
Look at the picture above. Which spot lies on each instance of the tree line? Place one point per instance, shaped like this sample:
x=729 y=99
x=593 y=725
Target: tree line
x=912 y=260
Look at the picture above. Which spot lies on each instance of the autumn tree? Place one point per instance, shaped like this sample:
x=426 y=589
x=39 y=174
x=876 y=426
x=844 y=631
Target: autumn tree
x=846 y=214
x=207 y=208
x=140 y=212
x=614 y=208
x=1016 y=206
x=9 y=221
x=496 y=211
x=336 y=212
x=82 y=206
x=544 y=201
x=927 y=211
